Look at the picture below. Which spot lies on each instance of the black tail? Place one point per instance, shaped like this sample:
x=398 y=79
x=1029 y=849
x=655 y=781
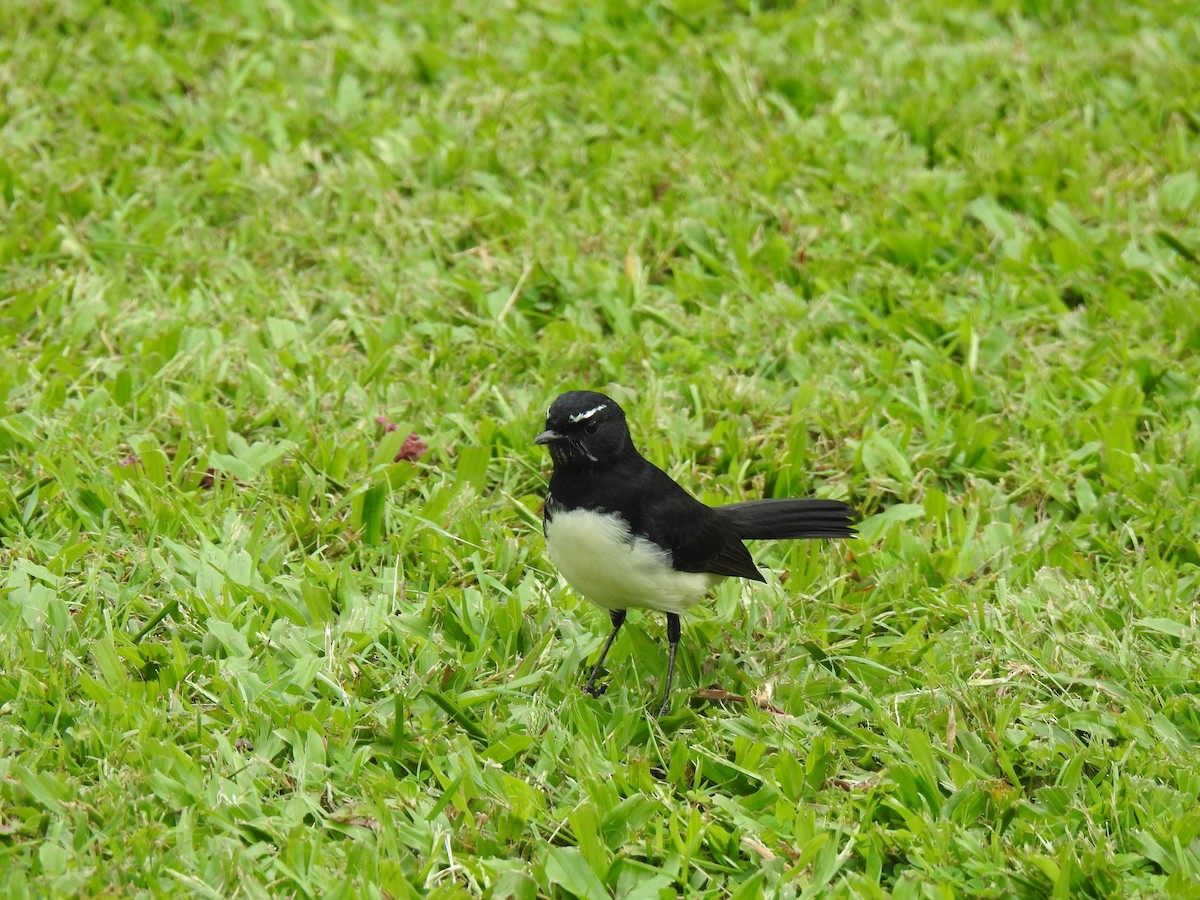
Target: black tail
x=769 y=519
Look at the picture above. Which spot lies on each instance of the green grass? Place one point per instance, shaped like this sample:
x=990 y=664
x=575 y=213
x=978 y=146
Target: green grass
x=939 y=260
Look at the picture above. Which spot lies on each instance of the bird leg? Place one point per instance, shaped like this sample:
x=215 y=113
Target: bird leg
x=618 y=619
x=673 y=631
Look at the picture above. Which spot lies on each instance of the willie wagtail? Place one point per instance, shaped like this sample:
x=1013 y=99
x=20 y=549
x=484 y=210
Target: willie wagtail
x=625 y=535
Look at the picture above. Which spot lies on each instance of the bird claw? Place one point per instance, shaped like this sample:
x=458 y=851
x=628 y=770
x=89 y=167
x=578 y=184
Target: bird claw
x=595 y=690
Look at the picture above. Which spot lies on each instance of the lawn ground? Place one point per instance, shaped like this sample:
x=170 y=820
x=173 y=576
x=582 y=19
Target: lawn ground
x=936 y=259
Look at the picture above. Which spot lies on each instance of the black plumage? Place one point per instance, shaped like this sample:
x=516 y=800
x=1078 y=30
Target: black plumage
x=625 y=535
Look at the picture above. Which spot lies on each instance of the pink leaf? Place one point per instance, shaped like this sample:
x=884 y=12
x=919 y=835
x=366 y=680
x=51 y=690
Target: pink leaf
x=412 y=449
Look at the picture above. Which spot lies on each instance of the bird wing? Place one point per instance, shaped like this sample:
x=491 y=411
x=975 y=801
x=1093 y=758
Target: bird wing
x=698 y=539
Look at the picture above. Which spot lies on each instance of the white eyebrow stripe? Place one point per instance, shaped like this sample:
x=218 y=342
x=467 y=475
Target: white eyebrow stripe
x=587 y=415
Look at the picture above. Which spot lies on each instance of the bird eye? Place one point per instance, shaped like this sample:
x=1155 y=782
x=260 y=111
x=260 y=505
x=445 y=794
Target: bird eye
x=590 y=426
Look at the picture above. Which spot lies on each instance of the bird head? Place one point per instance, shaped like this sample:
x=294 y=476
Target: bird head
x=585 y=429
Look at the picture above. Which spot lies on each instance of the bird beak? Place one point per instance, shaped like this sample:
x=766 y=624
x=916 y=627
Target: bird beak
x=548 y=437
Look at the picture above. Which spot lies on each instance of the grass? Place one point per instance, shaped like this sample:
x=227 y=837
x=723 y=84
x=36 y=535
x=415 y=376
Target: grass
x=939 y=260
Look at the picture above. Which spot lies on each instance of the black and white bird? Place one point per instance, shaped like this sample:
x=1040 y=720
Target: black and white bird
x=626 y=536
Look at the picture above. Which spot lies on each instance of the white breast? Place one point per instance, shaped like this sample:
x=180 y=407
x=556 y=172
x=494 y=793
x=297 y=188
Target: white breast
x=600 y=560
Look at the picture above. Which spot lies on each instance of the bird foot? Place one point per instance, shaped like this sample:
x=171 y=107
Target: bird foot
x=594 y=689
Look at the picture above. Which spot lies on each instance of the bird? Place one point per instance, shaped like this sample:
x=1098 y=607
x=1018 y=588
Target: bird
x=626 y=536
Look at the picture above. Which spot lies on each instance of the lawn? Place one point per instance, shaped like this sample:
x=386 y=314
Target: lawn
x=939 y=260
